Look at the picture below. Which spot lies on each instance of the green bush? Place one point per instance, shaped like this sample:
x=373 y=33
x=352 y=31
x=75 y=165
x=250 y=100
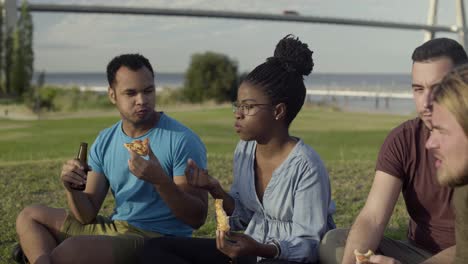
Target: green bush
x=210 y=76
x=169 y=96
x=74 y=99
x=56 y=98
x=42 y=98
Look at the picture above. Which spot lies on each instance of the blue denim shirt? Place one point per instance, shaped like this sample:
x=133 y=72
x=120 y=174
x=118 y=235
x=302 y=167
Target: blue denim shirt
x=297 y=208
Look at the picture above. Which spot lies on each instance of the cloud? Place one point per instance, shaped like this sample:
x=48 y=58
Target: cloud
x=59 y=46
x=89 y=30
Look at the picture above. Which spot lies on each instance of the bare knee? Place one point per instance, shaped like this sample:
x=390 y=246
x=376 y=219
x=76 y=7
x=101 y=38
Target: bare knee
x=49 y=217
x=332 y=246
x=27 y=215
x=336 y=237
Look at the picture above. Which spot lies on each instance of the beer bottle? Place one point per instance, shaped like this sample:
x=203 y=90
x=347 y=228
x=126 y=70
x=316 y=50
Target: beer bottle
x=82 y=156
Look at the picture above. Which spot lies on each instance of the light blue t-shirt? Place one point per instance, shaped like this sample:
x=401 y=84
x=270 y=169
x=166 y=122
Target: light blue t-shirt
x=297 y=207
x=137 y=201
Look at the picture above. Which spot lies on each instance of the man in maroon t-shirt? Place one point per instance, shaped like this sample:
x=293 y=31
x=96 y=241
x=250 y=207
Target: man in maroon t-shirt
x=405 y=165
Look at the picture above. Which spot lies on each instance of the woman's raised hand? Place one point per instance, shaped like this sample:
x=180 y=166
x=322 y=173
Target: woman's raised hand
x=199 y=177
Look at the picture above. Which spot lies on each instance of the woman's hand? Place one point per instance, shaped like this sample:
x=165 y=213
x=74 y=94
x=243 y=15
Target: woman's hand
x=236 y=244
x=199 y=177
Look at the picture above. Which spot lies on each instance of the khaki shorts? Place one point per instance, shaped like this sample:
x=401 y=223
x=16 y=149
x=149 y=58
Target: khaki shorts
x=126 y=242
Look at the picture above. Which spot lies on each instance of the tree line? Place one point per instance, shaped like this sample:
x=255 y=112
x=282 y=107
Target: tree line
x=16 y=55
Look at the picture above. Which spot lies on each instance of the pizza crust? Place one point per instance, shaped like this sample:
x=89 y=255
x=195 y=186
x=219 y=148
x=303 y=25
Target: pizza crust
x=138 y=146
x=363 y=258
x=222 y=220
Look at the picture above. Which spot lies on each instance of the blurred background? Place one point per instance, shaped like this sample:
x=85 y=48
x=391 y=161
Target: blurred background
x=73 y=49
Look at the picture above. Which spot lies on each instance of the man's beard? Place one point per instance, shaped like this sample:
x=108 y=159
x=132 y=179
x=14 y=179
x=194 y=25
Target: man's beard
x=452 y=179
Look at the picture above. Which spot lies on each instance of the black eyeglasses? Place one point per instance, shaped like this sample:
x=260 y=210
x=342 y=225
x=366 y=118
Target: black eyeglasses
x=246 y=109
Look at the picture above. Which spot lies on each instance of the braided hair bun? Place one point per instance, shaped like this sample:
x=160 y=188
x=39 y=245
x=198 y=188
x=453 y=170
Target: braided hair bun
x=281 y=76
x=294 y=55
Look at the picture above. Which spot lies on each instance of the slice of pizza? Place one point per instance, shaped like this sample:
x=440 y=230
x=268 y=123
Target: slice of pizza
x=222 y=220
x=138 y=146
x=363 y=258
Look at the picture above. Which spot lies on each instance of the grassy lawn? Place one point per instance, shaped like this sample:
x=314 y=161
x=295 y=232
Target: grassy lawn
x=32 y=153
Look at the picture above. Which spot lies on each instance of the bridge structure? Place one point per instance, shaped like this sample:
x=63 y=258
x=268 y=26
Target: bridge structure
x=429 y=29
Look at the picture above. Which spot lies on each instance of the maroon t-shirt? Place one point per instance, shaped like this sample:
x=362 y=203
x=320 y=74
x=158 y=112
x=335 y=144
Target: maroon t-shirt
x=403 y=155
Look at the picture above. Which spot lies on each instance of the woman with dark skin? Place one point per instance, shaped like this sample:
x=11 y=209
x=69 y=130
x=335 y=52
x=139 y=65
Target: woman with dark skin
x=280 y=196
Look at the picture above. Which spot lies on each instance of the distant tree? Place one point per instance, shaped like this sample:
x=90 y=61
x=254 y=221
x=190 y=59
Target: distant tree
x=8 y=59
x=210 y=76
x=41 y=79
x=37 y=93
x=2 y=86
x=23 y=54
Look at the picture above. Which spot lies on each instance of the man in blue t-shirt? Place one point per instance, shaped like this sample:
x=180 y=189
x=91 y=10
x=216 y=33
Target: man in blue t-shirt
x=152 y=197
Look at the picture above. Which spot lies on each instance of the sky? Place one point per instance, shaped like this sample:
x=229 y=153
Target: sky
x=87 y=42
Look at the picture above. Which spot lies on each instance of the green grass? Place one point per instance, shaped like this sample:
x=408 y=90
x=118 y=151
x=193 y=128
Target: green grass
x=32 y=152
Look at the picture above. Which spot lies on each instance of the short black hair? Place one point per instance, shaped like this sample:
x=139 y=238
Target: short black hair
x=440 y=47
x=132 y=61
x=281 y=76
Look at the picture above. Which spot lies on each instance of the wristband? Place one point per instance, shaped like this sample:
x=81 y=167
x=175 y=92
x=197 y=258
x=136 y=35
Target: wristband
x=278 y=248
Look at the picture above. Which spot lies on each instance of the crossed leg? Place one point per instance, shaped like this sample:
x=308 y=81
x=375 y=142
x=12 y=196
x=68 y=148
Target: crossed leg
x=85 y=249
x=38 y=228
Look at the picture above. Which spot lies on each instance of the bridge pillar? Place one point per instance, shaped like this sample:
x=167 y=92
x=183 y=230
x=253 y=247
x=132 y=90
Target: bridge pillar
x=461 y=25
x=431 y=20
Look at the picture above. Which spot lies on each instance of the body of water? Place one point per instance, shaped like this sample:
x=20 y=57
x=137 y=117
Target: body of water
x=316 y=81
x=100 y=79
